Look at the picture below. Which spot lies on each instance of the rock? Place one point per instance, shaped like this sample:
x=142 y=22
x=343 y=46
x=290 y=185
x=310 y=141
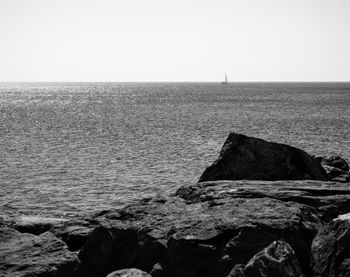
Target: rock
x=342 y=178
x=333 y=172
x=74 y=232
x=278 y=259
x=329 y=199
x=208 y=228
x=205 y=229
x=318 y=158
x=23 y=254
x=336 y=162
x=157 y=270
x=251 y=158
x=337 y=174
x=130 y=272
x=345 y=217
x=109 y=249
x=330 y=251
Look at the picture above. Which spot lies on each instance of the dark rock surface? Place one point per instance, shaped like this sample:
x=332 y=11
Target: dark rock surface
x=336 y=162
x=129 y=272
x=278 y=259
x=330 y=252
x=209 y=227
x=342 y=178
x=23 y=254
x=329 y=199
x=336 y=174
x=74 y=233
x=336 y=167
x=205 y=229
x=251 y=158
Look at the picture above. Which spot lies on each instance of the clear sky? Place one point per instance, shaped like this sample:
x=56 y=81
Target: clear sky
x=178 y=40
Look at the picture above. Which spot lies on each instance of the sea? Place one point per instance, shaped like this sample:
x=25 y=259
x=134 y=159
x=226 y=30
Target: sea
x=71 y=149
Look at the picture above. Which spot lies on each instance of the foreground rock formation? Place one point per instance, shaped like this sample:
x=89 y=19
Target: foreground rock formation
x=213 y=229
x=206 y=229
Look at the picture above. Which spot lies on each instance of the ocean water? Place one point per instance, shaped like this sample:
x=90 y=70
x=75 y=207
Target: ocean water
x=72 y=149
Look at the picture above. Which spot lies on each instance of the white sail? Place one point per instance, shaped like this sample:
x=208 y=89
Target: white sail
x=226 y=80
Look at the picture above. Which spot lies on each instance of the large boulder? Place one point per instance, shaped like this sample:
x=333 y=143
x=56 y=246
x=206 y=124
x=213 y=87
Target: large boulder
x=278 y=259
x=251 y=158
x=23 y=254
x=330 y=252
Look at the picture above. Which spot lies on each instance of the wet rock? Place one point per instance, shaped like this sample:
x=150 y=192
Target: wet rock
x=330 y=252
x=251 y=158
x=278 y=259
x=129 y=272
x=23 y=254
x=336 y=162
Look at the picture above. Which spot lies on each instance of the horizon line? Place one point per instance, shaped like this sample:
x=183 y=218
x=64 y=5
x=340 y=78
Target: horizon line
x=230 y=82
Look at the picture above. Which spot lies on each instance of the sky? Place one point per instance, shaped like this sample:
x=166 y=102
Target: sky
x=174 y=41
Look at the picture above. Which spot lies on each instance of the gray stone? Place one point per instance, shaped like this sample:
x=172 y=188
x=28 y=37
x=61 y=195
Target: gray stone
x=278 y=259
x=336 y=162
x=336 y=174
x=23 y=254
x=74 y=232
x=330 y=251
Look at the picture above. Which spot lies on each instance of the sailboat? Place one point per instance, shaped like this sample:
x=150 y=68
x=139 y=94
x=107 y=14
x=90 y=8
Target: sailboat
x=226 y=80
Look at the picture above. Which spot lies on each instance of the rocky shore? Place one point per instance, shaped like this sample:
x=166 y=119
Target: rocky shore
x=261 y=209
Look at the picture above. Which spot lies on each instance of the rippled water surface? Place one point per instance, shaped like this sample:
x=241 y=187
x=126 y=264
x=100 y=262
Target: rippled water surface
x=72 y=149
